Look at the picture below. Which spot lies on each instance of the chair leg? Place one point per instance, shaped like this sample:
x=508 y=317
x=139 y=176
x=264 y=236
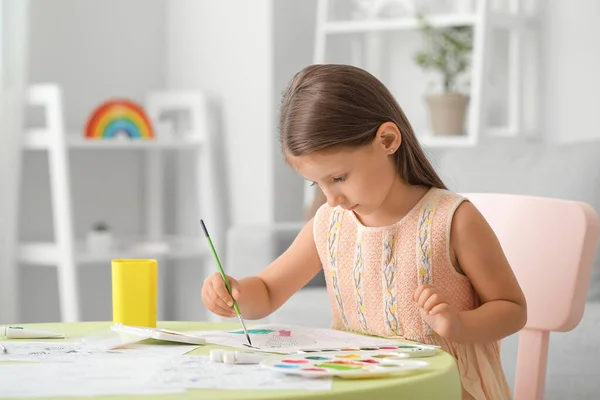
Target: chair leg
x=532 y=360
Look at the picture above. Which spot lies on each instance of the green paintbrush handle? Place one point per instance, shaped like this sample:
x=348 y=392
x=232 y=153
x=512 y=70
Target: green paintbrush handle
x=214 y=252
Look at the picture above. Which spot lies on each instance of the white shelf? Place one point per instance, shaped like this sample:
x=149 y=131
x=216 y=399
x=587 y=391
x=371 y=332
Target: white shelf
x=397 y=24
x=41 y=140
x=515 y=19
x=65 y=252
x=48 y=254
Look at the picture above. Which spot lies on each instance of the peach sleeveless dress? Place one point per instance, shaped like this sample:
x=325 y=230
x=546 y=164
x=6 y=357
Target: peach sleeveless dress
x=372 y=272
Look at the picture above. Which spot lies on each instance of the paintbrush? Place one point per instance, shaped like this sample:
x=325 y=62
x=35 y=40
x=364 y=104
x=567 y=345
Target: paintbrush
x=235 y=305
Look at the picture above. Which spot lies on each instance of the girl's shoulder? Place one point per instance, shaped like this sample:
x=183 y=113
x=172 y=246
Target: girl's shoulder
x=445 y=201
x=448 y=195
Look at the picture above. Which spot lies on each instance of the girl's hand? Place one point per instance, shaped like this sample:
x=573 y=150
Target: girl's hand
x=215 y=296
x=438 y=314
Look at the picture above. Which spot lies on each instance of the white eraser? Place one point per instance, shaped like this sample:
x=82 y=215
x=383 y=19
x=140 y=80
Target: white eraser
x=216 y=355
x=248 y=358
x=229 y=357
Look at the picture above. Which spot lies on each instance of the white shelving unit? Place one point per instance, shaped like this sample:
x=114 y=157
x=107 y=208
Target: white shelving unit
x=196 y=161
x=510 y=15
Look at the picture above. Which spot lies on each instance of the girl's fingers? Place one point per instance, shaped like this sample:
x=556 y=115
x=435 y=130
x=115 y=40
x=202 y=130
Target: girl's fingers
x=439 y=309
x=431 y=302
x=235 y=288
x=214 y=304
x=220 y=290
x=424 y=296
x=419 y=291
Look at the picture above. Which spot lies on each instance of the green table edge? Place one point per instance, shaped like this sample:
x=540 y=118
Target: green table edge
x=413 y=385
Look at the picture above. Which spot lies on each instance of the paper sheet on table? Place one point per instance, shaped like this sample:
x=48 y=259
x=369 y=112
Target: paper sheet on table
x=289 y=339
x=198 y=372
x=69 y=352
x=91 y=375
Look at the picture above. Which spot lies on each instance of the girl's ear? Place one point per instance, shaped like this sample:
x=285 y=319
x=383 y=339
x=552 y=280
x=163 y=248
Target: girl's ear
x=389 y=137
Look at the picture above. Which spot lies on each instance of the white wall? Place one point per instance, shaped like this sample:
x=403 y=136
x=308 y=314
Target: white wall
x=95 y=50
x=571 y=65
x=244 y=54
x=294 y=37
x=225 y=48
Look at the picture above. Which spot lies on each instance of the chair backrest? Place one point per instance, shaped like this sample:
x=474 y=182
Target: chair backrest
x=550 y=244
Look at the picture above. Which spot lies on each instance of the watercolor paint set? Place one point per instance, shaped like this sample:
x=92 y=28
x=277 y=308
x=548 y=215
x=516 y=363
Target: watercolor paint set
x=409 y=350
x=344 y=364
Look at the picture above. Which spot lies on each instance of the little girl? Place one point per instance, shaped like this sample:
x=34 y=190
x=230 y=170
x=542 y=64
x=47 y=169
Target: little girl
x=403 y=256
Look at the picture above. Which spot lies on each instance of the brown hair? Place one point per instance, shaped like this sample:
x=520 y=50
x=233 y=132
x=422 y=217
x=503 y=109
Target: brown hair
x=331 y=105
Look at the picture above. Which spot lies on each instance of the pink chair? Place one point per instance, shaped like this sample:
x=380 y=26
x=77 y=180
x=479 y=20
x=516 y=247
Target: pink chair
x=550 y=245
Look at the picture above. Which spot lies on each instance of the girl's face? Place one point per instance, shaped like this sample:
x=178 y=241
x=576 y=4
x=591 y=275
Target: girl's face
x=357 y=179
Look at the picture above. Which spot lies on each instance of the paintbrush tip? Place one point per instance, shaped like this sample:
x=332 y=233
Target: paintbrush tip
x=204 y=228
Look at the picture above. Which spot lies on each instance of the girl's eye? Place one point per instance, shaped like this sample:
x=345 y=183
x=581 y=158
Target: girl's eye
x=340 y=178
x=313 y=183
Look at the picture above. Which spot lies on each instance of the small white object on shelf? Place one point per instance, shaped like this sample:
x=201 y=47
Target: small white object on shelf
x=100 y=239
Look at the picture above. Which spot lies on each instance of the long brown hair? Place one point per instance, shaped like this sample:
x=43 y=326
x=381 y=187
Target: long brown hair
x=329 y=105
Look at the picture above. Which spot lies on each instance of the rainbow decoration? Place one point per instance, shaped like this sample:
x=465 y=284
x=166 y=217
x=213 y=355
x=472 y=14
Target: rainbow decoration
x=116 y=117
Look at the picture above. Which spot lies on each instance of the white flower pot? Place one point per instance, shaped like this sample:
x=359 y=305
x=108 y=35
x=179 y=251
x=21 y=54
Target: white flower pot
x=100 y=241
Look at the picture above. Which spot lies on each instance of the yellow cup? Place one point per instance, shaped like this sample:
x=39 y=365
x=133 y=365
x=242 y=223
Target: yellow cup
x=134 y=286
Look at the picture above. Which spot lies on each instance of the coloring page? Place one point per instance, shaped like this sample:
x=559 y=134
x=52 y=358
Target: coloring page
x=289 y=339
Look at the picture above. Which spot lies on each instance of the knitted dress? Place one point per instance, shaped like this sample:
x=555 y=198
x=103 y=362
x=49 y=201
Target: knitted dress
x=372 y=272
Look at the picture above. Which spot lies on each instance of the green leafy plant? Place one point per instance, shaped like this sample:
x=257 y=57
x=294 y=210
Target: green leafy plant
x=447 y=51
x=100 y=227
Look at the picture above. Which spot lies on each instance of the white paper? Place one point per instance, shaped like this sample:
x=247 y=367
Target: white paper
x=69 y=352
x=91 y=375
x=290 y=339
x=199 y=372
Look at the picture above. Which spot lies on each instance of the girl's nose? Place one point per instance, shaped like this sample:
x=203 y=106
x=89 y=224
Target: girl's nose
x=335 y=200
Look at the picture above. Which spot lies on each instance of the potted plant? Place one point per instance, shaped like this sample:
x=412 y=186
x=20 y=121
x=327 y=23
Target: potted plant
x=100 y=238
x=448 y=52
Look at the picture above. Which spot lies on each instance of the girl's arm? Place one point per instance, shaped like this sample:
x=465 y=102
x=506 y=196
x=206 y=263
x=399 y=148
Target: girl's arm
x=478 y=253
x=264 y=293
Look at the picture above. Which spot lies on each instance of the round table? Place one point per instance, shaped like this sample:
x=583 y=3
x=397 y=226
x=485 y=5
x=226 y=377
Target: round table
x=439 y=381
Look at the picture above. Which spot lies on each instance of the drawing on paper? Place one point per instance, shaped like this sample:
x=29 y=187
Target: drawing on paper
x=291 y=338
x=198 y=372
x=276 y=338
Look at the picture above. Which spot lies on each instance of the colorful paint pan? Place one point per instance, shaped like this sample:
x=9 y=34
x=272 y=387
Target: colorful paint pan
x=349 y=356
x=358 y=364
x=286 y=366
x=295 y=361
x=317 y=358
x=383 y=355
